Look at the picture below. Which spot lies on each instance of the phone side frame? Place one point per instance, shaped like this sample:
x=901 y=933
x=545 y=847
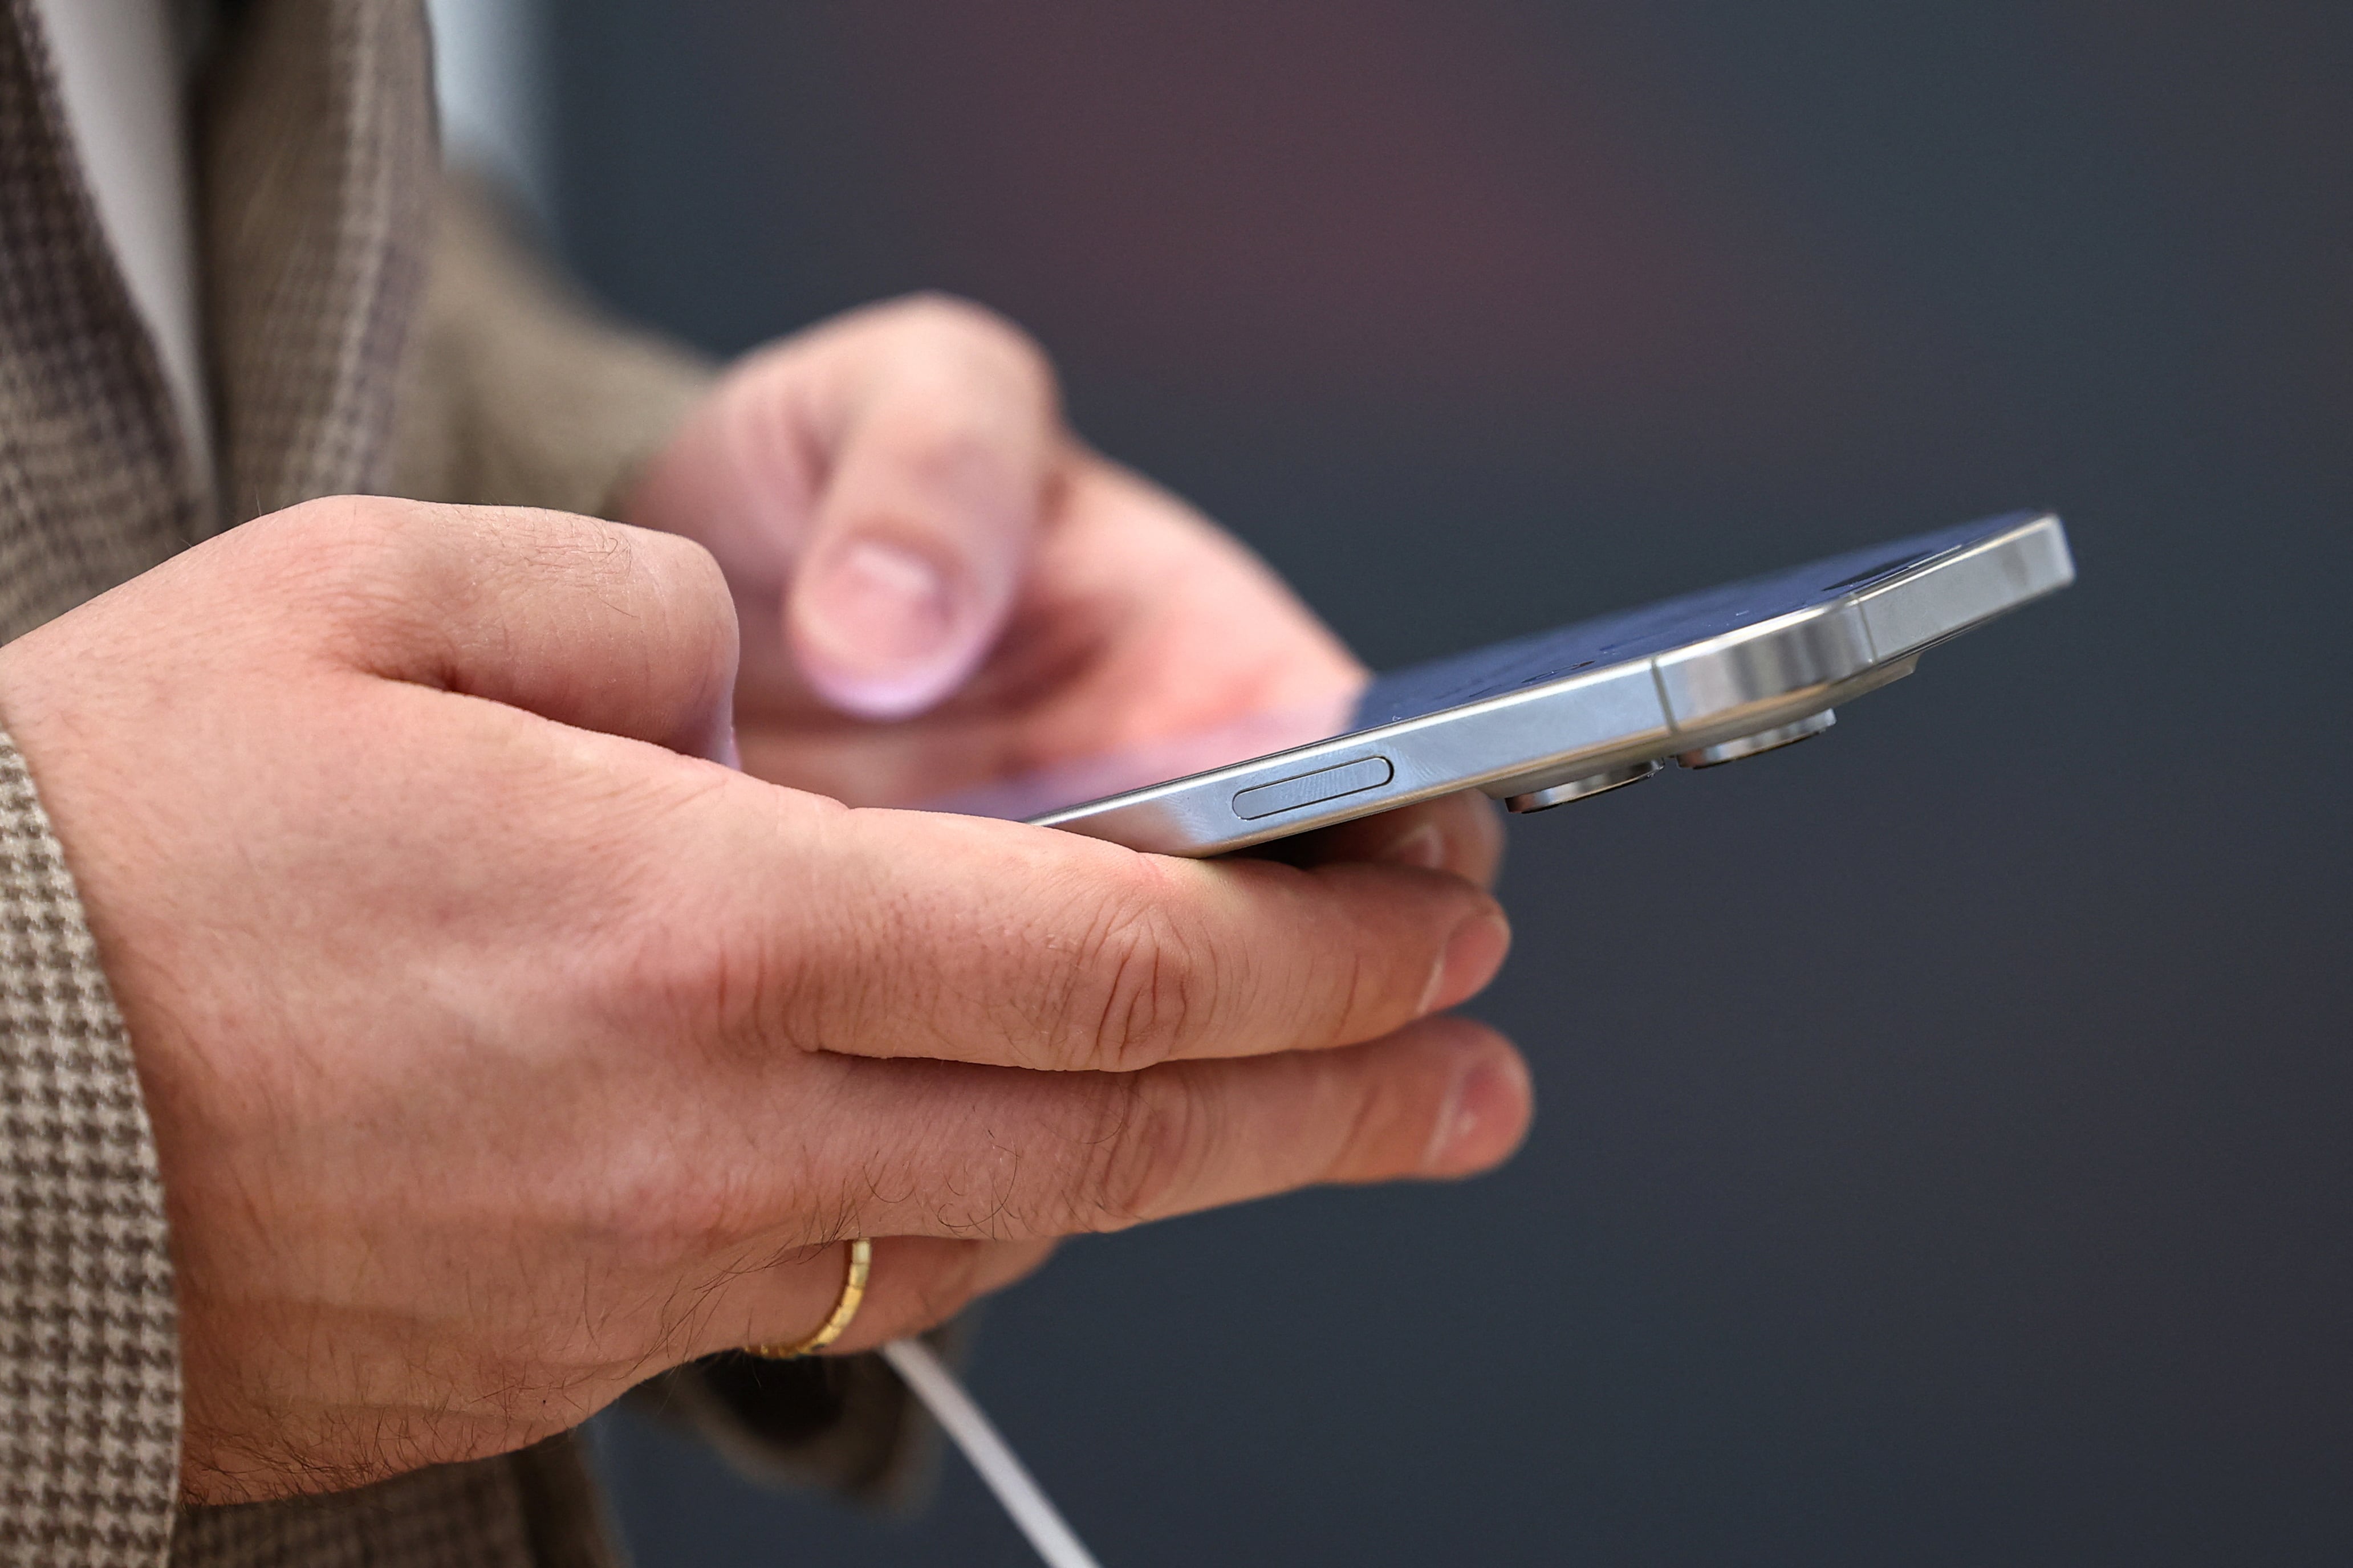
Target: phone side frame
x=1704 y=693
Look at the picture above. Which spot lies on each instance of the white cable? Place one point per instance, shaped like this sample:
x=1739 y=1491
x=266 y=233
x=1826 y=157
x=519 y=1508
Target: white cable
x=952 y=1407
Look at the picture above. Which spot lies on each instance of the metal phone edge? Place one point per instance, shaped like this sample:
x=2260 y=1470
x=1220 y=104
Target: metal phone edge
x=1697 y=695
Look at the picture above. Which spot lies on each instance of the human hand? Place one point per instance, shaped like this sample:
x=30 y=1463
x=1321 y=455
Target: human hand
x=502 y=1051
x=911 y=533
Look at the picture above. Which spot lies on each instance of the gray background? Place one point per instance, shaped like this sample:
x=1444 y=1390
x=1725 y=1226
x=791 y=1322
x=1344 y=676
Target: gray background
x=1945 y=1150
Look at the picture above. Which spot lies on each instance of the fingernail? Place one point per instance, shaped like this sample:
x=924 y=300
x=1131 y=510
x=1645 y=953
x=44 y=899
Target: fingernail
x=1485 y=1110
x=1425 y=846
x=885 y=618
x=1474 y=953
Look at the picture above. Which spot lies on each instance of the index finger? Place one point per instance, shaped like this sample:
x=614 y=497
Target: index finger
x=918 y=934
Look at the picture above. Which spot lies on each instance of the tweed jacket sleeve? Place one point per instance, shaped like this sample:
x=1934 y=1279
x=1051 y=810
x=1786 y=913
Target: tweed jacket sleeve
x=89 y=1382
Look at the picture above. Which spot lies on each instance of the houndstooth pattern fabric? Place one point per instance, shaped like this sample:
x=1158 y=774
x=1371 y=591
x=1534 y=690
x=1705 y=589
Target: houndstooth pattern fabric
x=89 y=1382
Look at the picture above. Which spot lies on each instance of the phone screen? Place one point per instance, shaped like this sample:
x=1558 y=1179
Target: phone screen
x=1419 y=690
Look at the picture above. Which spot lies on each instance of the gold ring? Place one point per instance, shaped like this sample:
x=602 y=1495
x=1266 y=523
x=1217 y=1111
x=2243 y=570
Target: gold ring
x=853 y=1291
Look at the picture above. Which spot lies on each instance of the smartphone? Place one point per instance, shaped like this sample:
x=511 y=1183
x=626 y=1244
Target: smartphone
x=1564 y=715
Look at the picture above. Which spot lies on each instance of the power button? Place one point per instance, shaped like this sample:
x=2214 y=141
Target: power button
x=1313 y=789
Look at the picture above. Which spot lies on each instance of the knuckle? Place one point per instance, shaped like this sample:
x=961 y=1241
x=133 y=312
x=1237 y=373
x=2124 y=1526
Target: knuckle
x=1138 y=991
x=717 y=986
x=368 y=561
x=357 y=519
x=351 y=533
x=1152 y=1135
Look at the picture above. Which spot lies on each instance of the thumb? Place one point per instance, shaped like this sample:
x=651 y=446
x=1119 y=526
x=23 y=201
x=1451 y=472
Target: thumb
x=927 y=510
